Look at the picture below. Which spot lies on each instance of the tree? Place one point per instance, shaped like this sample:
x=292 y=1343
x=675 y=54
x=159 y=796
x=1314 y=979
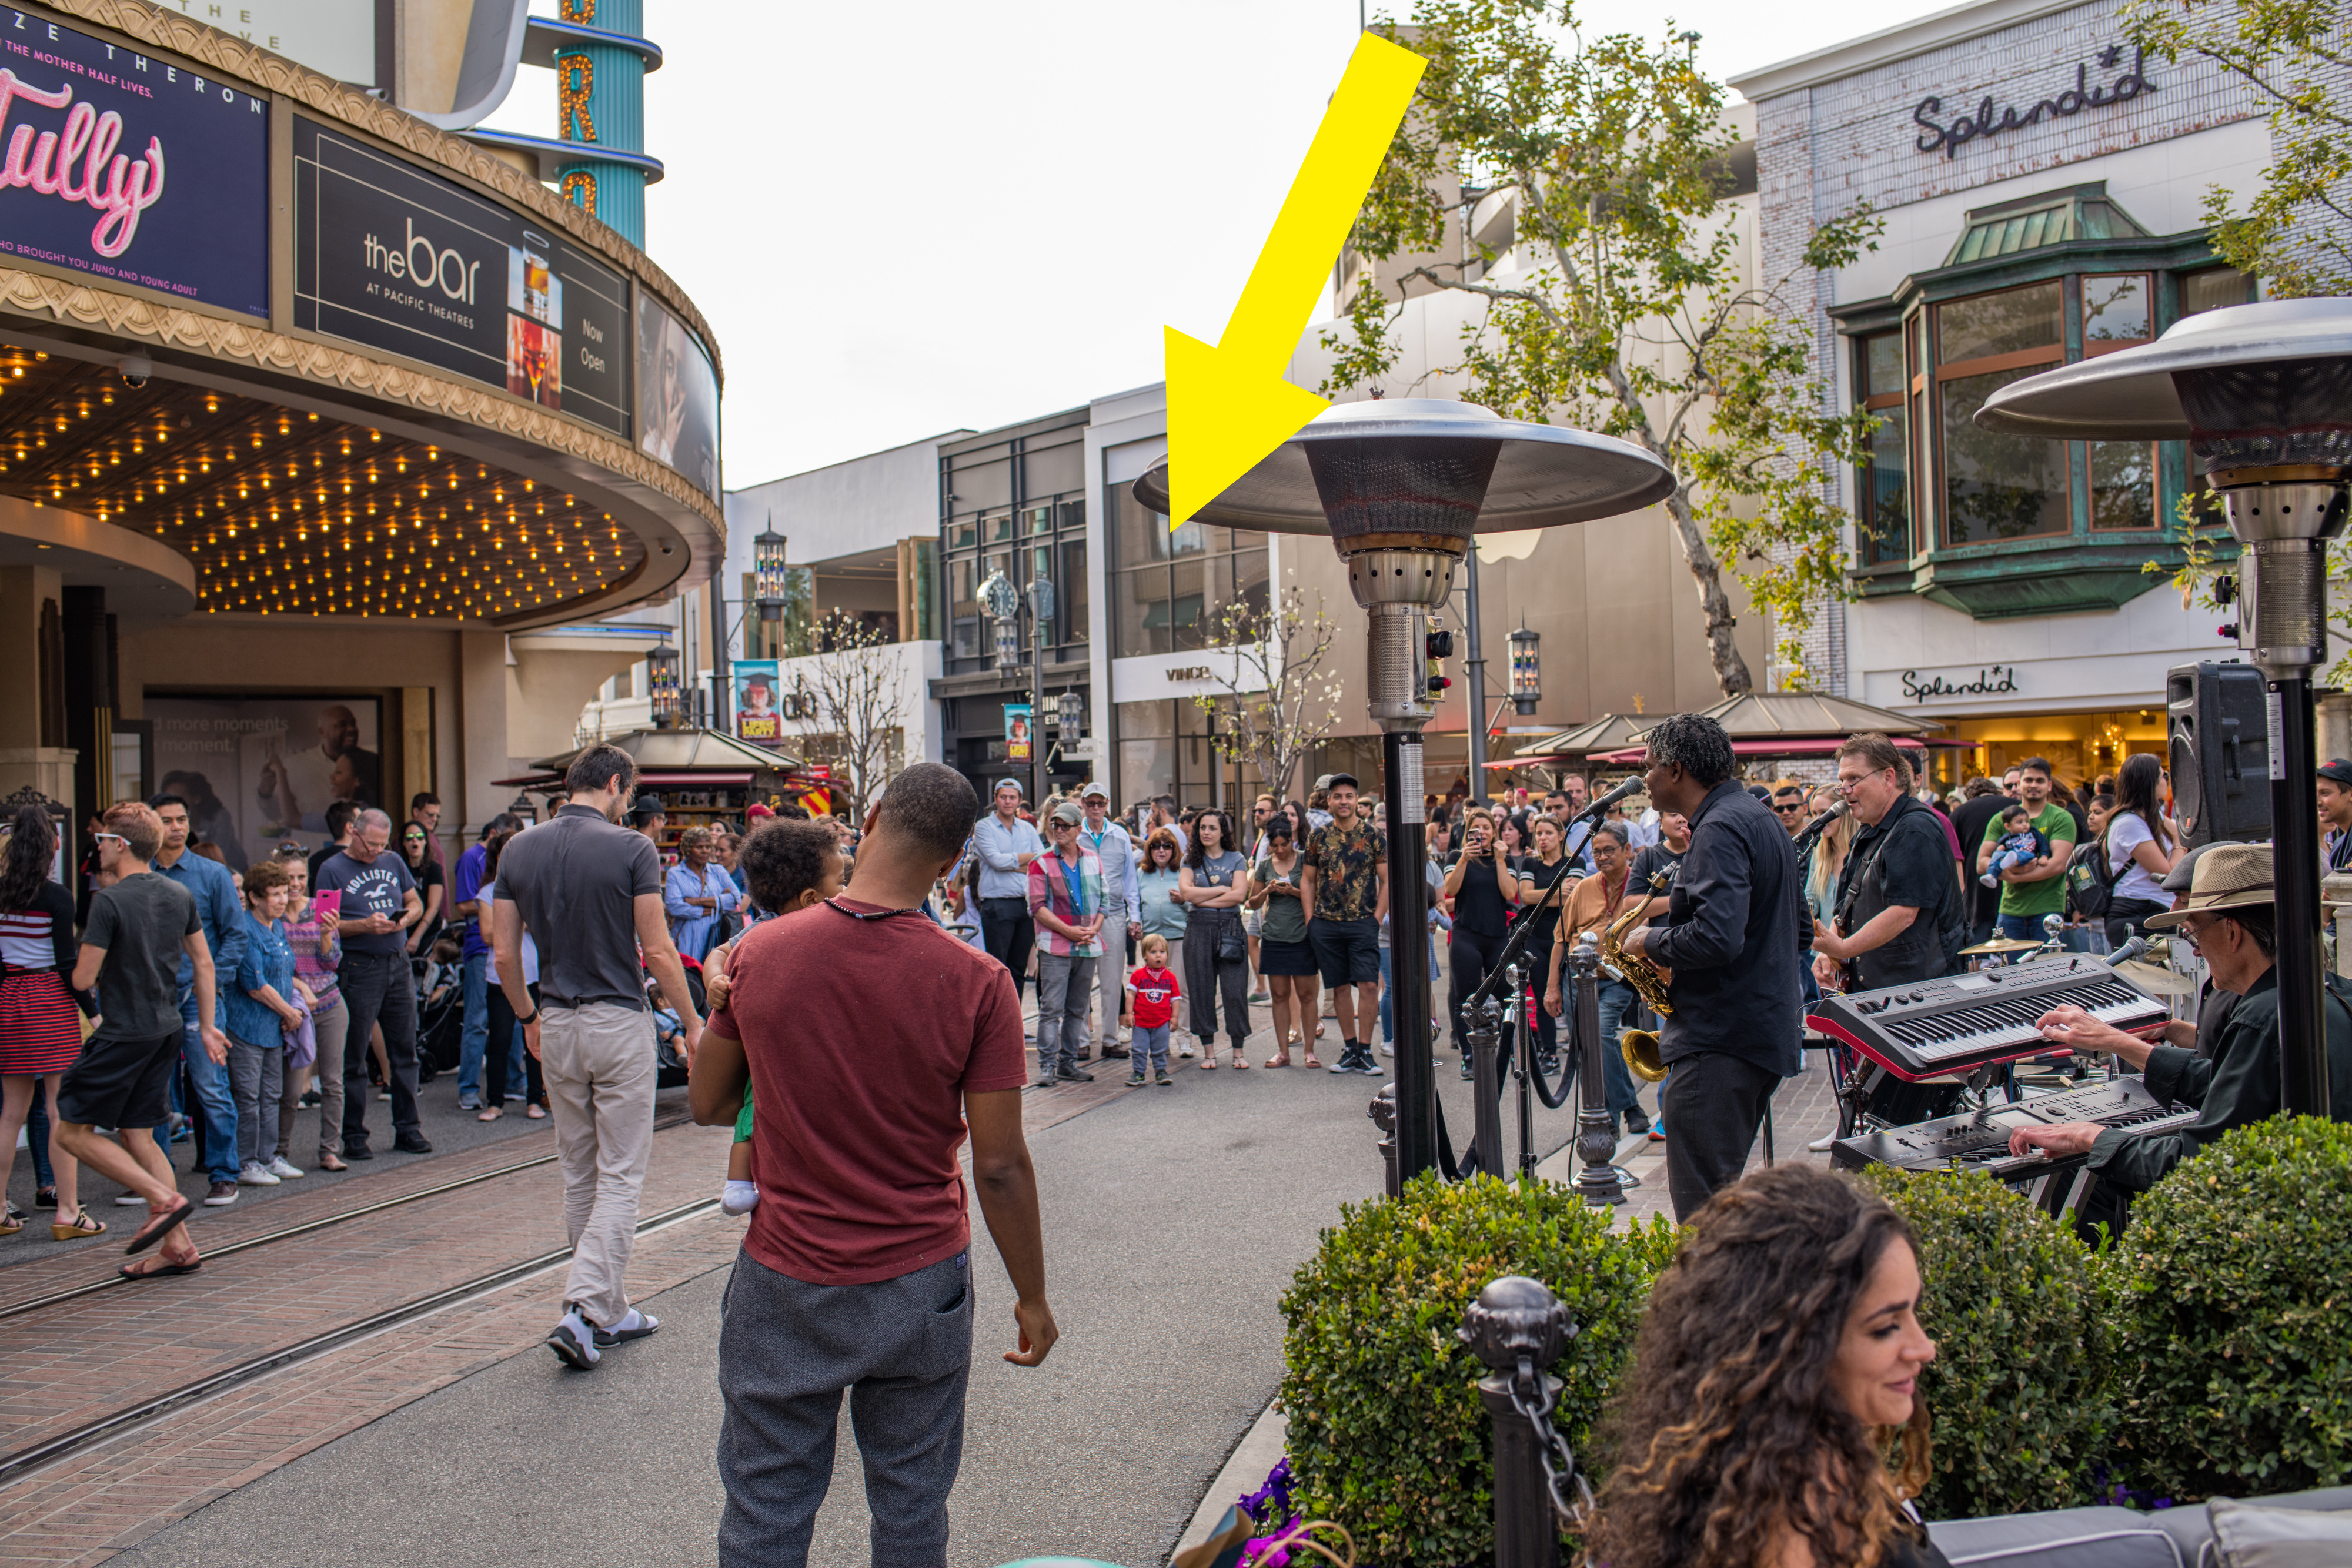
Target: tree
x=1622 y=307
x=2297 y=235
x=1277 y=704
x=846 y=698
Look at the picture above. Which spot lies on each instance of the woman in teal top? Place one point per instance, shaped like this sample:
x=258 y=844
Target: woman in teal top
x=1158 y=911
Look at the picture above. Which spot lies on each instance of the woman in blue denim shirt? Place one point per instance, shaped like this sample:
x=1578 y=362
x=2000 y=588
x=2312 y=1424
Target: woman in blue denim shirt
x=260 y=1008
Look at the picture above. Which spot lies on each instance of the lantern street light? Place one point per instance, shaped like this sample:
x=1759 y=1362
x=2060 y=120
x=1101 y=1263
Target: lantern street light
x=1400 y=486
x=1072 y=714
x=768 y=573
x=661 y=685
x=2262 y=393
x=1526 y=670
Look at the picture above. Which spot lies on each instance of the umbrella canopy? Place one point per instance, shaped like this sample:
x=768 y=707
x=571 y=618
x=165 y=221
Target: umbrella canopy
x=1788 y=715
x=1608 y=732
x=684 y=750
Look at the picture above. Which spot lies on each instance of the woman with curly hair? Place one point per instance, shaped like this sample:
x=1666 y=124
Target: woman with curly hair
x=1778 y=1362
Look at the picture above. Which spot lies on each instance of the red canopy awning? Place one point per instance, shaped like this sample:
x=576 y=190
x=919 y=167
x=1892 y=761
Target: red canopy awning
x=1544 y=760
x=1825 y=746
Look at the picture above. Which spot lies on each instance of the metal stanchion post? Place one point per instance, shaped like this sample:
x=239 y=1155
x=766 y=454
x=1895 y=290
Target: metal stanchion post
x=1384 y=1117
x=1486 y=1083
x=1596 y=1129
x=1521 y=1058
x=1518 y=1328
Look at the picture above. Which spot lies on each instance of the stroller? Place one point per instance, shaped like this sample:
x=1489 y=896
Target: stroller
x=440 y=1013
x=669 y=1062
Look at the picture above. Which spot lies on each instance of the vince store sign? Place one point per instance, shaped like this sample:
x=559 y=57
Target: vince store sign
x=131 y=167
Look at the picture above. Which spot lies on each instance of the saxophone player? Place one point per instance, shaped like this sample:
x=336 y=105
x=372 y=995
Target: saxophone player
x=1735 y=937
x=1899 y=914
x=1594 y=902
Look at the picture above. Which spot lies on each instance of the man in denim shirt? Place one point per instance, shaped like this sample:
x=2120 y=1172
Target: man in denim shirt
x=222 y=913
x=1005 y=845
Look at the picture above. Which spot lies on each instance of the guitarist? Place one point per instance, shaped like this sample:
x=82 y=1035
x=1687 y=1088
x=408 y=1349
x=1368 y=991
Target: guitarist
x=1899 y=913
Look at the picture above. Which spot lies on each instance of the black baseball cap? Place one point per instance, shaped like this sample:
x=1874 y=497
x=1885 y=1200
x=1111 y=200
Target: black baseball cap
x=1334 y=780
x=2337 y=770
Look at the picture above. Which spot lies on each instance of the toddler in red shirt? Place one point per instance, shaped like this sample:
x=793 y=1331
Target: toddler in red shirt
x=1152 y=989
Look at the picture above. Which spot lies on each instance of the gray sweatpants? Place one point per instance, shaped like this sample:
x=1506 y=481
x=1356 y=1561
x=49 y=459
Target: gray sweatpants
x=787 y=1349
x=1064 y=983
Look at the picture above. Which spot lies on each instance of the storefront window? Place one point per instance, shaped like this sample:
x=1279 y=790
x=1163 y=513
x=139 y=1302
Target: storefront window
x=2123 y=484
x=2118 y=311
x=1884 y=522
x=1170 y=585
x=1146 y=751
x=2014 y=321
x=1045 y=540
x=2213 y=289
x=1997 y=486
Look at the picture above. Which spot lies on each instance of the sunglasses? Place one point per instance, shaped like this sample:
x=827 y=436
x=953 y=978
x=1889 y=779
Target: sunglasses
x=109 y=838
x=1788 y=807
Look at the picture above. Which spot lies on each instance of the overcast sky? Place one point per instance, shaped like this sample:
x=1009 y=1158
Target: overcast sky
x=910 y=218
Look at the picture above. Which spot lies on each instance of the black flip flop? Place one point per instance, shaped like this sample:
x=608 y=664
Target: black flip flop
x=128 y=1272
x=156 y=1228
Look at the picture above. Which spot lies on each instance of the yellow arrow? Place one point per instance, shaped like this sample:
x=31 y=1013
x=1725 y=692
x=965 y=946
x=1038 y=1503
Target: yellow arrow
x=1228 y=406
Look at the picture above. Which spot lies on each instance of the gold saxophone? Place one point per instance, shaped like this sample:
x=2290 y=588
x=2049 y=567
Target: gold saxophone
x=1640 y=1046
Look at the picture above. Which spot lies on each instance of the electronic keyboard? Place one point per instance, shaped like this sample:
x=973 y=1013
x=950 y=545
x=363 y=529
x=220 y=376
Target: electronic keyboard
x=1958 y=1023
x=1981 y=1141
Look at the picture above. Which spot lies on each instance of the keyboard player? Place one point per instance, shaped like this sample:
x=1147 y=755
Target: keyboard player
x=2233 y=1077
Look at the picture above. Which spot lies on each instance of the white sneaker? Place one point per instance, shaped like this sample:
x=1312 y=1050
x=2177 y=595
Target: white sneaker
x=1183 y=1048
x=283 y=1169
x=256 y=1174
x=129 y=1200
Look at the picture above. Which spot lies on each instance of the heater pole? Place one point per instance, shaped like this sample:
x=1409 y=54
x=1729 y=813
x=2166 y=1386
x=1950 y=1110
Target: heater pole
x=2295 y=873
x=1416 y=1070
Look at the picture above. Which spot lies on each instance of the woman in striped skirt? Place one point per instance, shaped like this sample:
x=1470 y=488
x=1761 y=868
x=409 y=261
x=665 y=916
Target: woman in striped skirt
x=40 y=1026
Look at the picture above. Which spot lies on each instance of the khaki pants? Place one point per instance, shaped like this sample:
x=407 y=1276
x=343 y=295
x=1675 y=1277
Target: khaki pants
x=598 y=1065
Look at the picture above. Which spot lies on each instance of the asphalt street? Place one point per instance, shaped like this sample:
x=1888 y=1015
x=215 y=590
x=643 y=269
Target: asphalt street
x=1175 y=1219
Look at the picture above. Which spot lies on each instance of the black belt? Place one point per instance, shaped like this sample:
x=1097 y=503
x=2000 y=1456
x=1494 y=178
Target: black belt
x=549 y=999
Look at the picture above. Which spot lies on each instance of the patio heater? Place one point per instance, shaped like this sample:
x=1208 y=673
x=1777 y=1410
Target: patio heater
x=2263 y=394
x=1400 y=486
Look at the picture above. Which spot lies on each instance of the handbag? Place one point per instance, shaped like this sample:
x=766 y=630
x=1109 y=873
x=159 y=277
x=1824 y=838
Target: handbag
x=1232 y=942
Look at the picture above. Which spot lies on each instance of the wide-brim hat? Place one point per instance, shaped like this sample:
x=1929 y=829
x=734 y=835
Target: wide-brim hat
x=2228 y=876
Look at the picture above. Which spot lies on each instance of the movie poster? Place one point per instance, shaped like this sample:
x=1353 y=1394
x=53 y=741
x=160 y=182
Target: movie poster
x=258 y=771
x=759 y=702
x=677 y=397
x=1016 y=731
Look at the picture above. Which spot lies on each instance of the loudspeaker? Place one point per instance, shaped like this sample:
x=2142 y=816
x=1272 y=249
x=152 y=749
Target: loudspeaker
x=2221 y=751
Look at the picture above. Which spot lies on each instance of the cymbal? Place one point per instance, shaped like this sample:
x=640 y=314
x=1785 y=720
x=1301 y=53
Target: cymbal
x=2156 y=979
x=2000 y=944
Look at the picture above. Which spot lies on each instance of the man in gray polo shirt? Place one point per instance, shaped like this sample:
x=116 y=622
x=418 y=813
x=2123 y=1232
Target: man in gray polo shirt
x=590 y=893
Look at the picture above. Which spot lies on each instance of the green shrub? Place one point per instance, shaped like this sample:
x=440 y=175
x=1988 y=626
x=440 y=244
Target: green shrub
x=1387 y=1435
x=2020 y=1312
x=2238 y=1374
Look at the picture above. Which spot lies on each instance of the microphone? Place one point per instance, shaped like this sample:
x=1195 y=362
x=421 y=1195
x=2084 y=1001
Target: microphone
x=2128 y=951
x=1630 y=786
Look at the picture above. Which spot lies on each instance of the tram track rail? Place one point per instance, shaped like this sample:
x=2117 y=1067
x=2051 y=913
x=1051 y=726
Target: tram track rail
x=325 y=1221
x=27 y=1462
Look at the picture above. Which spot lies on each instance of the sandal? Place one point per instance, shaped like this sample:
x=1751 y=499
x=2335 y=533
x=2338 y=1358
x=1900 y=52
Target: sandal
x=492 y=1114
x=535 y=1111
x=12 y=1219
x=81 y=1225
x=1281 y=1058
x=1313 y=1065
x=1241 y=1062
x=163 y=1268
x=159 y=1226
x=1208 y=1061
x=331 y=1161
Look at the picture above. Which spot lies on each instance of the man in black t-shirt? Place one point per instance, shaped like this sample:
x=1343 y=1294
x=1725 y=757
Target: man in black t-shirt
x=139 y=929
x=1985 y=801
x=379 y=903
x=1898 y=902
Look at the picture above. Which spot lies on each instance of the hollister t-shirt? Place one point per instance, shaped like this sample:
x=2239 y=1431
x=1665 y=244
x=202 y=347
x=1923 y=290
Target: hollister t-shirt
x=863 y=1037
x=380 y=887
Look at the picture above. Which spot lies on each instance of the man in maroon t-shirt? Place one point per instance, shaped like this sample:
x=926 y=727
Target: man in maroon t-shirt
x=855 y=1273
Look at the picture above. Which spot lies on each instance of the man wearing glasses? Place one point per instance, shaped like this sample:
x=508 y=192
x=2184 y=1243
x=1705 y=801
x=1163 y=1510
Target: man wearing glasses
x=1899 y=915
x=2228 y=1067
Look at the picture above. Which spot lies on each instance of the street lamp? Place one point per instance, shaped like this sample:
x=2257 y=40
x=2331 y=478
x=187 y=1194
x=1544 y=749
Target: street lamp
x=1072 y=714
x=2263 y=394
x=1526 y=670
x=1399 y=486
x=661 y=685
x=768 y=573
